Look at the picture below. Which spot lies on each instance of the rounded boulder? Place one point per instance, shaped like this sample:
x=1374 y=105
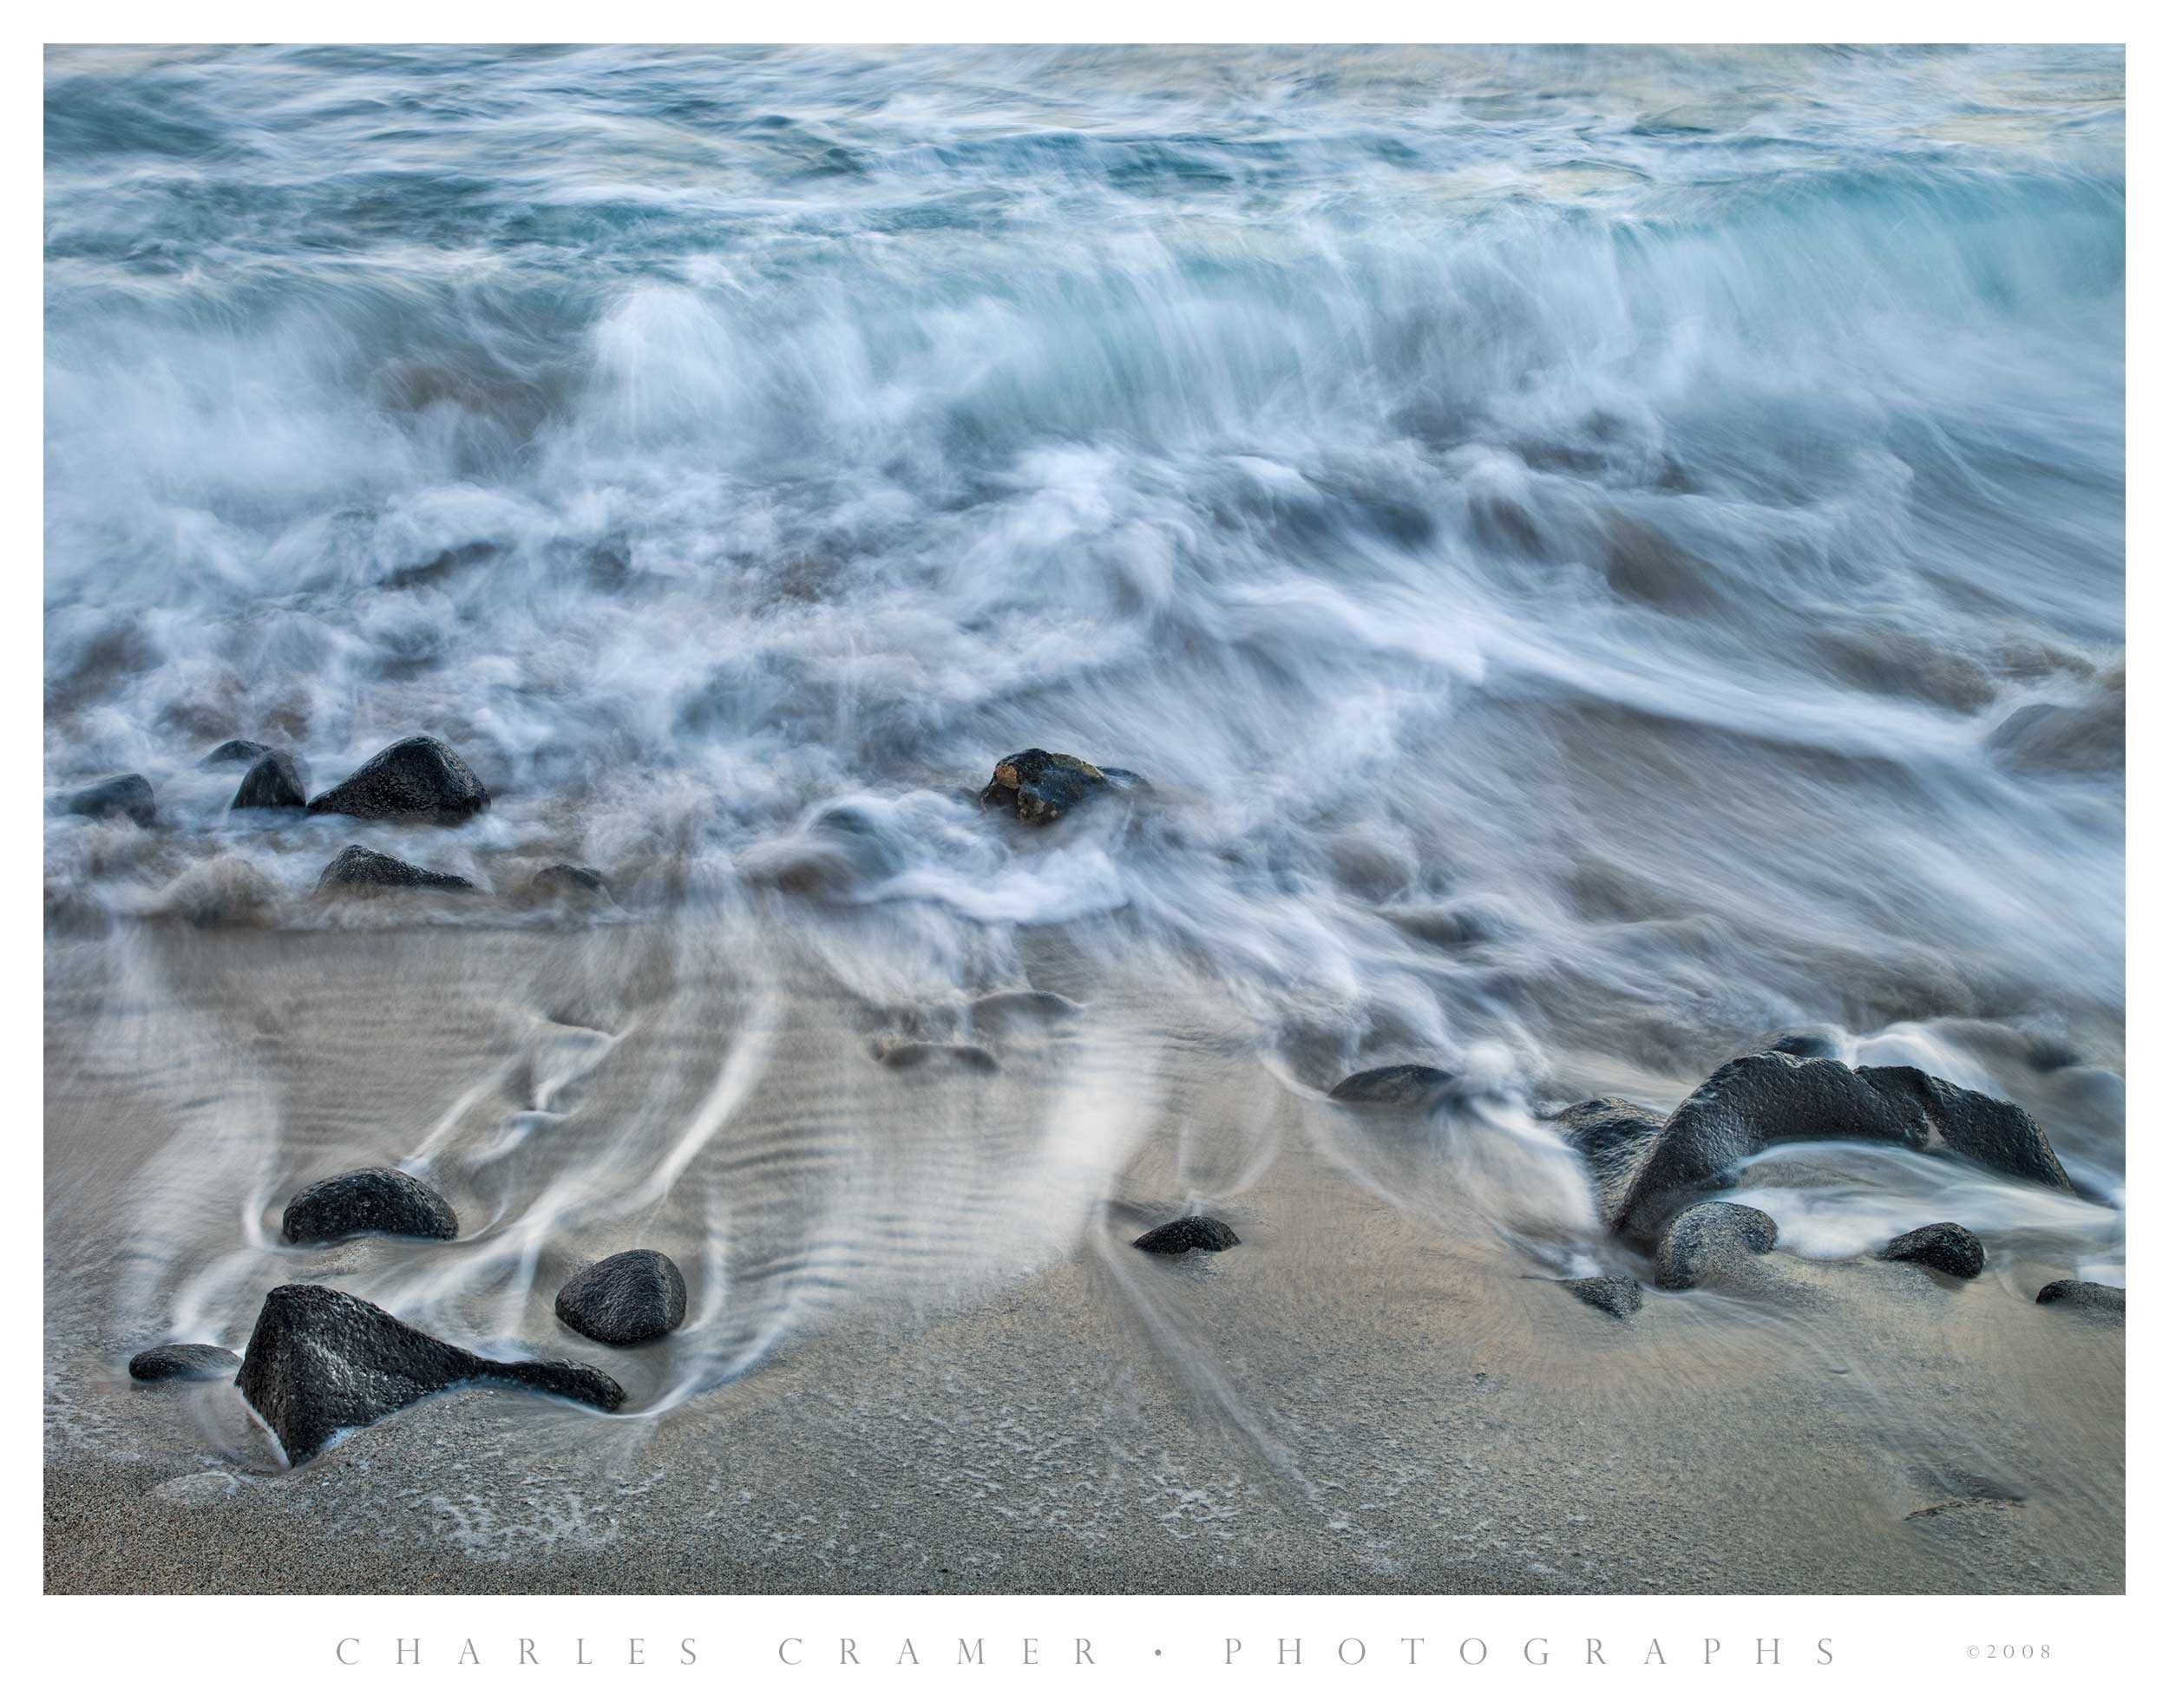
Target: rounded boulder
x=623 y=1300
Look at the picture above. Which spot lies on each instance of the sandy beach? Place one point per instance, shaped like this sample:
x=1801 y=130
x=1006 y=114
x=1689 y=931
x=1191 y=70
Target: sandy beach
x=923 y=1356
x=849 y=678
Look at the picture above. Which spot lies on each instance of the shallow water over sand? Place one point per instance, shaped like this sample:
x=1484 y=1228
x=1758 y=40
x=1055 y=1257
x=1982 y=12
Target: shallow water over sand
x=1599 y=555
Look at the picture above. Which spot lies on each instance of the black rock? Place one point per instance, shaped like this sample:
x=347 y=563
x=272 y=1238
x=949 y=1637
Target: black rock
x=1704 y=1239
x=2091 y=1297
x=1407 y=1082
x=1614 y=1295
x=357 y=867
x=1983 y=1129
x=1754 y=1101
x=1041 y=786
x=563 y=880
x=1808 y=1045
x=321 y=1361
x=235 y=752
x=129 y=795
x=1615 y=1138
x=369 y=1200
x=278 y=779
x=1187 y=1233
x=418 y=778
x=1941 y=1245
x=186 y=1361
x=625 y=1300
x=914 y=1053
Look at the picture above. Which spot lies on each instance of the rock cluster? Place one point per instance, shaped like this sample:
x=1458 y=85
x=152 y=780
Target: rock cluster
x=1646 y=1169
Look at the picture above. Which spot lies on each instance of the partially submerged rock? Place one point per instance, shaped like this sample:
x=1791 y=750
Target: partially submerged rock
x=357 y=867
x=418 y=778
x=1808 y=1045
x=1187 y=1233
x=1614 y=1295
x=1614 y=1137
x=1709 y=1241
x=2089 y=1297
x=125 y=796
x=625 y=1300
x=321 y=1361
x=185 y=1361
x=368 y=1201
x=1941 y=1246
x=1754 y=1101
x=223 y=891
x=998 y=1010
x=235 y=752
x=2049 y=738
x=1407 y=1083
x=277 y=779
x=569 y=882
x=918 y=1053
x=1041 y=786
x=1988 y=1130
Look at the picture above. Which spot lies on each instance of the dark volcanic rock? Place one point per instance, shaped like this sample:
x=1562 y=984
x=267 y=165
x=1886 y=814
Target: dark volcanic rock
x=916 y=1053
x=1707 y=1240
x=569 y=880
x=186 y=1361
x=1754 y=1101
x=321 y=1361
x=1188 y=1234
x=1941 y=1245
x=1614 y=1295
x=1808 y=1045
x=278 y=779
x=625 y=1300
x=1983 y=1129
x=1408 y=1082
x=418 y=778
x=357 y=867
x=369 y=1200
x=2090 y=1297
x=235 y=752
x=129 y=794
x=1615 y=1138
x=1040 y=786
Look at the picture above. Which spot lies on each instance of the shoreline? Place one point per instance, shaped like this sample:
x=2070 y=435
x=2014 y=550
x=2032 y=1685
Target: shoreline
x=923 y=1356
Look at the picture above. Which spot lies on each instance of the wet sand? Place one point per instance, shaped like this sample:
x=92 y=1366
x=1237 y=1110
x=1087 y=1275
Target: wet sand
x=921 y=1354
